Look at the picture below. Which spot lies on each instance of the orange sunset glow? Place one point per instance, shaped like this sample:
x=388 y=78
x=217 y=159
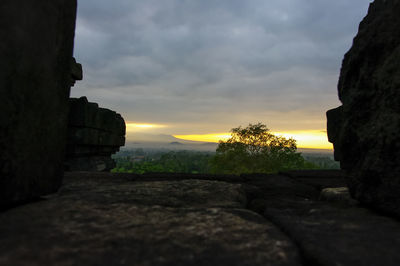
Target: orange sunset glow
x=312 y=139
x=131 y=126
x=205 y=137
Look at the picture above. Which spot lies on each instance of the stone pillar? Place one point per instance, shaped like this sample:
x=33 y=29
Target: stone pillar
x=365 y=130
x=36 y=45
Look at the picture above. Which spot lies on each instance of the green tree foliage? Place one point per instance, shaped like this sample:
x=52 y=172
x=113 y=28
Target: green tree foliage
x=253 y=149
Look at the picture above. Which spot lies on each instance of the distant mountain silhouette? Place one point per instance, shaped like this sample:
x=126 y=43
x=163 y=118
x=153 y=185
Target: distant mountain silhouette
x=160 y=138
x=146 y=137
x=176 y=143
x=208 y=143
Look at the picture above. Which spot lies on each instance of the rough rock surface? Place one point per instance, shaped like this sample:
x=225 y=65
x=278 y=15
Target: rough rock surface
x=326 y=233
x=94 y=134
x=365 y=129
x=35 y=50
x=111 y=220
x=330 y=178
x=125 y=219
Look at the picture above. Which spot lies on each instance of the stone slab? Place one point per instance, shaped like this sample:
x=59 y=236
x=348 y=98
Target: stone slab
x=125 y=219
x=328 y=231
x=106 y=219
x=320 y=179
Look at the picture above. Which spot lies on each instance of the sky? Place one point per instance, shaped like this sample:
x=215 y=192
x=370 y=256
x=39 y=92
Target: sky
x=197 y=68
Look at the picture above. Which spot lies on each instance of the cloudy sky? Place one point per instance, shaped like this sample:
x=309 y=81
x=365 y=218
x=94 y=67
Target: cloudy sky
x=206 y=66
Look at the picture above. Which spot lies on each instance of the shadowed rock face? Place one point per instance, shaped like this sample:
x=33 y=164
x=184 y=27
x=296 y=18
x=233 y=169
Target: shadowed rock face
x=365 y=130
x=35 y=50
x=94 y=134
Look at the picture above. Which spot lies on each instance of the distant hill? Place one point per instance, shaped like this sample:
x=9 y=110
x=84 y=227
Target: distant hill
x=160 y=138
x=176 y=143
x=144 y=137
x=208 y=143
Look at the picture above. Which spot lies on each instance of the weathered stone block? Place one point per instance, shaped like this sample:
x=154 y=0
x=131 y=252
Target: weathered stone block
x=35 y=73
x=94 y=134
x=366 y=130
x=89 y=115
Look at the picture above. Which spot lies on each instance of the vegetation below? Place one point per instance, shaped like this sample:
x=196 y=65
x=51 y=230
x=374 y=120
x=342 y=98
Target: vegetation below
x=140 y=162
x=195 y=162
x=250 y=150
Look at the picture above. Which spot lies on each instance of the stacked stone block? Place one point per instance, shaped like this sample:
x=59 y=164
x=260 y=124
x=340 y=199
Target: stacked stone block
x=94 y=134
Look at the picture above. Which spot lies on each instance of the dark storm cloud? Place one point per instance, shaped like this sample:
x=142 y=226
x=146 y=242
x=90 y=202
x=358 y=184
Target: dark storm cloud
x=201 y=60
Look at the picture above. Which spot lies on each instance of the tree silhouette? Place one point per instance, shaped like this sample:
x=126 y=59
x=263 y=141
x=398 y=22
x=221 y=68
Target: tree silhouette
x=253 y=149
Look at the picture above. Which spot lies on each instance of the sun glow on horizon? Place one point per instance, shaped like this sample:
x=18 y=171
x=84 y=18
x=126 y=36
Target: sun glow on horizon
x=131 y=126
x=205 y=137
x=312 y=139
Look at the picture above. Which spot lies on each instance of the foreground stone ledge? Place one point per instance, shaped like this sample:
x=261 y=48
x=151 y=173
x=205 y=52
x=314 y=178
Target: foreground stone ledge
x=336 y=232
x=319 y=179
x=109 y=220
x=178 y=219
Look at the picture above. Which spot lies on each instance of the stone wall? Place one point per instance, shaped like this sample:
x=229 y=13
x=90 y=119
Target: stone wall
x=365 y=130
x=35 y=49
x=94 y=134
